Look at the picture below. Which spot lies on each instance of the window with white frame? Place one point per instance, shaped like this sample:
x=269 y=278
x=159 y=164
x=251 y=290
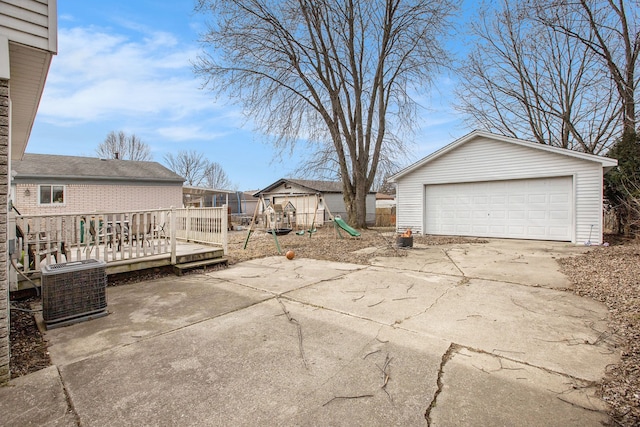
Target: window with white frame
x=51 y=194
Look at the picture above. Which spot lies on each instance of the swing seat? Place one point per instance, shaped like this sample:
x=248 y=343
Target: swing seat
x=303 y=232
x=279 y=231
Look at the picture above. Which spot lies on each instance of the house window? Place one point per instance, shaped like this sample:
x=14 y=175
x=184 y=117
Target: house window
x=51 y=194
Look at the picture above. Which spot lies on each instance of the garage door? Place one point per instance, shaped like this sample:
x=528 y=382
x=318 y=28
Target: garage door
x=520 y=209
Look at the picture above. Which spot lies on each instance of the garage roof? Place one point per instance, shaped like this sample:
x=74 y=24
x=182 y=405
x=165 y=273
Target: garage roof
x=606 y=162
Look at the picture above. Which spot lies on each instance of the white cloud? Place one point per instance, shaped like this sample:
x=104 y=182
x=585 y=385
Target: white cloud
x=185 y=133
x=100 y=75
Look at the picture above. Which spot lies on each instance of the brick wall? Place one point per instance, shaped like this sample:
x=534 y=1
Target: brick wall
x=4 y=282
x=105 y=198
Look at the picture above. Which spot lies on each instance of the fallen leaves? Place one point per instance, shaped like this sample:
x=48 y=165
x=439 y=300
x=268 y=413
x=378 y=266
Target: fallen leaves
x=325 y=244
x=612 y=275
x=28 y=349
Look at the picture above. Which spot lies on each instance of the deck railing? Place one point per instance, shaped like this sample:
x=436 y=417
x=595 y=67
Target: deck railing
x=203 y=225
x=114 y=236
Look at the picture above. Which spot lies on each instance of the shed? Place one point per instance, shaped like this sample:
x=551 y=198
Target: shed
x=301 y=193
x=488 y=185
x=52 y=184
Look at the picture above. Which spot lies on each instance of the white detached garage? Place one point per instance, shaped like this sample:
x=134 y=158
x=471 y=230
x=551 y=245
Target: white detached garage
x=488 y=185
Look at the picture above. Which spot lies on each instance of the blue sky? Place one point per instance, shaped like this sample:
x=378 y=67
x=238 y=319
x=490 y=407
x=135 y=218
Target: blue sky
x=126 y=65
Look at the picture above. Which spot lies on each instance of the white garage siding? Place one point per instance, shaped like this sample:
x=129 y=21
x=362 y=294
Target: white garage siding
x=483 y=158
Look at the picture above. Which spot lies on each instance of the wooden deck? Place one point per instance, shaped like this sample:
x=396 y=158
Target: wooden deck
x=126 y=241
x=188 y=255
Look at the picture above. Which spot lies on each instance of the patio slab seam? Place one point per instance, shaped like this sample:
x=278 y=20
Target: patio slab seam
x=468 y=277
x=282 y=294
x=333 y=310
x=519 y=362
x=70 y=406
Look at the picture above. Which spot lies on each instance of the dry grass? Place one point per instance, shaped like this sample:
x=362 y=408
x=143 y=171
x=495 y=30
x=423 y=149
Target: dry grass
x=326 y=244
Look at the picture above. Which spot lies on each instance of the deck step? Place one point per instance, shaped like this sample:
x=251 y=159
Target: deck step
x=179 y=268
x=200 y=256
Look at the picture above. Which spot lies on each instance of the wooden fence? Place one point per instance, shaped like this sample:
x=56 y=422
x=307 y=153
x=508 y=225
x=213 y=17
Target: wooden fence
x=385 y=217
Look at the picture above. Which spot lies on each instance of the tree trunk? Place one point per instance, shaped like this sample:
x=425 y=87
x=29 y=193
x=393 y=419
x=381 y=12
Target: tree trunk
x=355 y=203
x=349 y=204
x=361 y=205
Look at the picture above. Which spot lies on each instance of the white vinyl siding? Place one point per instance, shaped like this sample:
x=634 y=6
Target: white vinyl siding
x=307 y=213
x=486 y=159
x=335 y=203
x=30 y=22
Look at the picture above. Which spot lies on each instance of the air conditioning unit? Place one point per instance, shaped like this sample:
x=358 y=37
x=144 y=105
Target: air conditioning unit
x=73 y=292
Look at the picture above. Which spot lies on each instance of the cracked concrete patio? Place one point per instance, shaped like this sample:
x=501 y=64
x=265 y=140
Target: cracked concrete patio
x=469 y=334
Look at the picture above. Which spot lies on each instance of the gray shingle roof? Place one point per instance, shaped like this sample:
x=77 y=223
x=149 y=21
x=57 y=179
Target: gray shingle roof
x=49 y=166
x=311 y=184
x=320 y=186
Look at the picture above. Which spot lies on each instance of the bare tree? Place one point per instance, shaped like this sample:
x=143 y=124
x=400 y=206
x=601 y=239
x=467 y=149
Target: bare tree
x=191 y=165
x=216 y=177
x=120 y=145
x=527 y=80
x=323 y=165
x=610 y=29
x=339 y=74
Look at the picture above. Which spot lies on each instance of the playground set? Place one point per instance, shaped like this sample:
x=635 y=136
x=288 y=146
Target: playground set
x=281 y=218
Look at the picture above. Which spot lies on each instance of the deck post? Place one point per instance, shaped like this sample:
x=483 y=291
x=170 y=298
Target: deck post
x=172 y=234
x=225 y=226
x=188 y=224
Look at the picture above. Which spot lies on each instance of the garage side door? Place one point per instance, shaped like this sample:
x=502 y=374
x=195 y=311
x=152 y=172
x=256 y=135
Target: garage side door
x=520 y=209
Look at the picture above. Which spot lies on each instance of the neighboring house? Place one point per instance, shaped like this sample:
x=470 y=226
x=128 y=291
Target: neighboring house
x=306 y=196
x=384 y=201
x=52 y=184
x=487 y=185
x=28 y=41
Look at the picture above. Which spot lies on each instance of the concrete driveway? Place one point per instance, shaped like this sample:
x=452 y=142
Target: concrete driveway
x=470 y=334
